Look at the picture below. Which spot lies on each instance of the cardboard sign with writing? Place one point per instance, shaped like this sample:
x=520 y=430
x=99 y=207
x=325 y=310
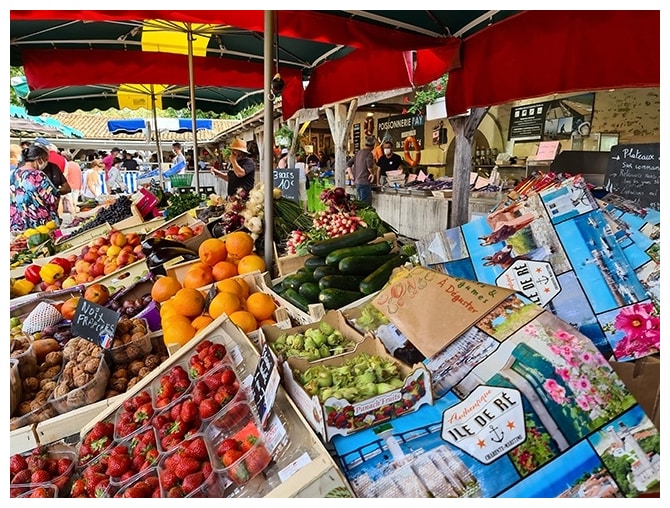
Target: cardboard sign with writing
x=94 y=322
x=415 y=303
x=264 y=384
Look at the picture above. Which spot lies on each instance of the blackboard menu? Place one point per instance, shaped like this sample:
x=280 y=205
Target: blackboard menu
x=264 y=384
x=633 y=171
x=357 y=137
x=288 y=181
x=527 y=122
x=94 y=322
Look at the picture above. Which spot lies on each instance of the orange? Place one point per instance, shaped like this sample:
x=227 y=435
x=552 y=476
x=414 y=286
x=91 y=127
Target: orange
x=197 y=277
x=224 y=303
x=245 y=287
x=167 y=309
x=245 y=320
x=239 y=244
x=267 y=322
x=261 y=305
x=167 y=321
x=224 y=270
x=201 y=265
x=212 y=250
x=189 y=302
x=251 y=263
x=165 y=288
x=231 y=286
x=178 y=333
x=201 y=322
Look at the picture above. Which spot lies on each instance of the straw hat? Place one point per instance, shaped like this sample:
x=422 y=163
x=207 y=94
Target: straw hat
x=240 y=145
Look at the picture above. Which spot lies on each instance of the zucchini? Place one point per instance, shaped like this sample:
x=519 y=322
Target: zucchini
x=333 y=298
x=359 y=237
x=293 y=297
x=350 y=282
x=369 y=249
x=310 y=292
x=295 y=280
x=376 y=280
x=362 y=265
x=313 y=263
x=278 y=288
x=325 y=270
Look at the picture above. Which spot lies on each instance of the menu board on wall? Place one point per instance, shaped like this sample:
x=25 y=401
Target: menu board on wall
x=526 y=122
x=357 y=137
x=633 y=171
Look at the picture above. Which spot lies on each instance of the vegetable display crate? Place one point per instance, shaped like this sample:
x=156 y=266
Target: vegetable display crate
x=65 y=243
x=301 y=467
x=181 y=180
x=145 y=227
x=185 y=219
x=289 y=264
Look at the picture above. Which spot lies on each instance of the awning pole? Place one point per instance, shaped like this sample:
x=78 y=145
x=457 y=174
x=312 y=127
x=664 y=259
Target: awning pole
x=191 y=87
x=268 y=137
x=159 y=155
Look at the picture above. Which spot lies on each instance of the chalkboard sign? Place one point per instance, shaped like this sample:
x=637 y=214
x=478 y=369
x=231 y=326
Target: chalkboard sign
x=357 y=137
x=264 y=384
x=94 y=322
x=633 y=172
x=288 y=181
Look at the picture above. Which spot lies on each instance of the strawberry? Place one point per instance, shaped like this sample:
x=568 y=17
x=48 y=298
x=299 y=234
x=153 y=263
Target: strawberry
x=225 y=445
x=239 y=473
x=198 y=394
x=119 y=450
x=189 y=411
x=257 y=459
x=22 y=476
x=217 y=351
x=208 y=408
x=228 y=376
x=118 y=465
x=175 y=491
x=17 y=463
x=225 y=394
x=78 y=488
x=101 y=488
x=213 y=381
x=231 y=456
x=170 y=441
x=166 y=389
x=178 y=373
x=140 y=489
x=40 y=492
x=93 y=481
x=64 y=465
x=99 y=430
x=181 y=385
x=168 y=478
x=185 y=466
x=175 y=411
x=196 y=370
x=248 y=443
x=51 y=465
x=196 y=449
x=203 y=345
x=192 y=482
x=40 y=476
x=143 y=413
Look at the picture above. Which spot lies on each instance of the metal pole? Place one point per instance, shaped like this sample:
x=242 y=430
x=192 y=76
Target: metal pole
x=191 y=86
x=159 y=154
x=268 y=137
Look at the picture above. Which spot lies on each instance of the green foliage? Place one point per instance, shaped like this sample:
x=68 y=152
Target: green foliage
x=13 y=98
x=428 y=94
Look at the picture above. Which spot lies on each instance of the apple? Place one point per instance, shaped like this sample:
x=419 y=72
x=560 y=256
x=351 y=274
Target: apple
x=137 y=249
x=97 y=293
x=97 y=269
x=133 y=239
x=125 y=258
x=69 y=282
x=186 y=231
x=172 y=230
x=82 y=266
x=110 y=267
x=100 y=241
x=118 y=238
x=91 y=256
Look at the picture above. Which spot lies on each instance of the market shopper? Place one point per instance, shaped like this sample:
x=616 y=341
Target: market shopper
x=14 y=157
x=242 y=168
x=33 y=198
x=91 y=181
x=129 y=164
x=73 y=176
x=115 y=183
x=389 y=161
x=282 y=163
x=362 y=166
x=178 y=158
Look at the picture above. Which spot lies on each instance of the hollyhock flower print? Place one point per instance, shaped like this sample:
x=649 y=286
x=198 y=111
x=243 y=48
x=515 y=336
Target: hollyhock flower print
x=640 y=326
x=633 y=320
x=555 y=391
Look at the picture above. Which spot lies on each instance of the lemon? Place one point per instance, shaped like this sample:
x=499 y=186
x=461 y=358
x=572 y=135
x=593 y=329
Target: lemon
x=51 y=225
x=43 y=230
x=30 y=232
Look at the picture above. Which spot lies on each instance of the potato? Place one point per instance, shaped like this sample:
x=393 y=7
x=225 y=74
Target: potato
x=43 y=347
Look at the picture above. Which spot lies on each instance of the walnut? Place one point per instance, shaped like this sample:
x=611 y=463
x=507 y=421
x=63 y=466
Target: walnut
x=27 y=396
x=125 y=338
x=123 y=327
x=119 y=373
x=60 y=390
x=54 y=358
x=137 y=336
x=82 y=356
x=81 y=380
x=52 y=372
x=139 y=327
x=23 y=409
x=110 y=393
x=117 y=343
x=119 y=384
x=143 y=372
x=135 y=367
x=133 y=352
x=133 y=381
x=91 y=365
x=76 y=398
x=48 y=385
x=152 y=361
x=37 y=404
x=31 y=384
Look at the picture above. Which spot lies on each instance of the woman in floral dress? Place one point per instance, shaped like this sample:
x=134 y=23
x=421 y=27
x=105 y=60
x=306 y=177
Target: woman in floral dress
x=33 y=199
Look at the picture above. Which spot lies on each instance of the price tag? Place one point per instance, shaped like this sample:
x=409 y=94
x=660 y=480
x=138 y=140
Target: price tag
x=287 y=180
x=265 y=383
x=94 y=322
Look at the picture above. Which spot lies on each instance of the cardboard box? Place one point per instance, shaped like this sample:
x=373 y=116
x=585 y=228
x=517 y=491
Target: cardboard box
x=268 y=334
x=642 y=378
x=186 y=219
x=341 y=417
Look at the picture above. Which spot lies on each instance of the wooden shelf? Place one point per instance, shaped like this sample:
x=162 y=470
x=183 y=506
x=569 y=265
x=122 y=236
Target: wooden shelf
x=500 y=166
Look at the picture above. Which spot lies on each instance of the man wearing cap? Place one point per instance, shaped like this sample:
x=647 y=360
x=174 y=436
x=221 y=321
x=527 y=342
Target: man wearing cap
x=362 y=166
x=242 y=168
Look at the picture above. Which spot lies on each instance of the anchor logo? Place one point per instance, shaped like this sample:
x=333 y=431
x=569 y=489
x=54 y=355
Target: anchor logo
x=497 y=437
x=543 y=280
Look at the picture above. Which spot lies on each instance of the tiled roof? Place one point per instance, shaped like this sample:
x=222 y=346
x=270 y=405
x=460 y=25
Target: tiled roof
x=94 y=126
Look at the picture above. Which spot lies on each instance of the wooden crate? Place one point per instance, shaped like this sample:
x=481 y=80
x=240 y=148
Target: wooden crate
x=145 y=227
x=186 y=219
x=134 y=220
x=63 y=244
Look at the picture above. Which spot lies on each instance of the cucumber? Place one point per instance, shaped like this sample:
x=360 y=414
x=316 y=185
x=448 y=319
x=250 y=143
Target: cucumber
x=292 y=296
x=369 y=249
x=278 y=288
x=324 y=270
x=362 y=265
x=333 y=298
x=310 y=292
x=359 y=237
x=313 y=263
x=350 y=282
x=376 y=280
x=295 y=280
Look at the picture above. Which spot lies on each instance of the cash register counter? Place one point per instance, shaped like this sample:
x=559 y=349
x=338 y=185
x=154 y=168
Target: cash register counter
x=416 y=214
